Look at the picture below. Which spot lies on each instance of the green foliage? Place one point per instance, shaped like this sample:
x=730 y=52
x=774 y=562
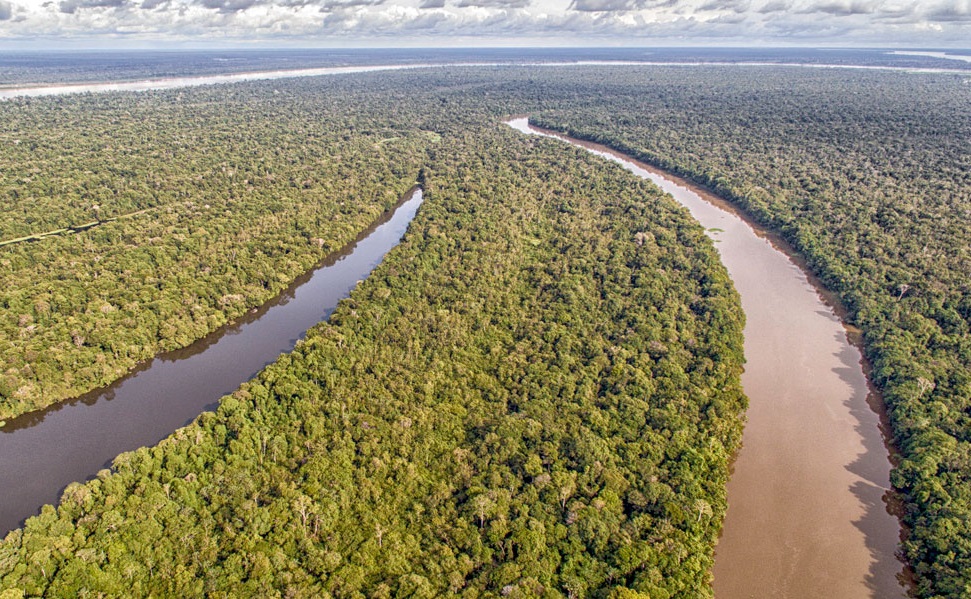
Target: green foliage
x=225 y=216
x=869 y=177
x=522 y=400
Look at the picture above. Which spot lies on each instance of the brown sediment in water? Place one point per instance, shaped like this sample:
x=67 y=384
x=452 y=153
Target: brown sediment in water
x=811 y=511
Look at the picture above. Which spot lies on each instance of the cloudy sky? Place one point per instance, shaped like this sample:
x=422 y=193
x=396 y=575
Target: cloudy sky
x=147 y=23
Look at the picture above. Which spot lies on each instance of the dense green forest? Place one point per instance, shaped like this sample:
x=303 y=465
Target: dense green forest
x=536 y=394
x=222 y=217
x=869 y=177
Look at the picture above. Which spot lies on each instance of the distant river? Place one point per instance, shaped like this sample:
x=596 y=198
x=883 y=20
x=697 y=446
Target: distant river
x=42 y=452
x=176 y=82
x=808 y=514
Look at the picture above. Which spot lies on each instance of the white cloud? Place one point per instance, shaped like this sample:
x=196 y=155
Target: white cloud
x=620 y=5
x=928 y=23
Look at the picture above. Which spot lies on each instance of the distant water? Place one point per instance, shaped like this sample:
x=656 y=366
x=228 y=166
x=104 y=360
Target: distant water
x=55 y=73
x=174 y=82
x=942 y=55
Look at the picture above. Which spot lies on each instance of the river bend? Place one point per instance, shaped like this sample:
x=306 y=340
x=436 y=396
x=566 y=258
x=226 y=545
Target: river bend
x=807 y=516
x=808 y=513
x=42 y=452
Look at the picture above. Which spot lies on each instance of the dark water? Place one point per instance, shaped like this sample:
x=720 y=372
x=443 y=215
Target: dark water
x=42 y=452
x=808 y=515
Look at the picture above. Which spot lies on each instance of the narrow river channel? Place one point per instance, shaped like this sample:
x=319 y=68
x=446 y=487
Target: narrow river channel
x=807 y=510
x=42 y=452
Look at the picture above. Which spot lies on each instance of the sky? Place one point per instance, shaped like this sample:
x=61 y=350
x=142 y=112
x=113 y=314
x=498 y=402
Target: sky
x=381 y=23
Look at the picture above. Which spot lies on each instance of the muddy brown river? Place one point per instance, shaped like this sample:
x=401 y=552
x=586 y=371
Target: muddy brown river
x=808 y=514
x=42 y=452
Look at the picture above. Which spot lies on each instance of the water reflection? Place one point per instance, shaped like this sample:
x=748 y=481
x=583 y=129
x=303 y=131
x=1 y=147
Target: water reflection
x=42 y=452
x=807 y=515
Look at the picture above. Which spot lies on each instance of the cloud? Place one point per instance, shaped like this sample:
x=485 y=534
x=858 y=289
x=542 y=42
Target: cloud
x=929 y=23
x=736 y=6
x=338 y=4
x=69 y=7
x=951 y=12
x=228 y=6
x=898 y=15
x=843 y=8
x=493 y=3
x=729 y=19
x=430 y=22
x=238 y=6
x=618 y=5
x=776 y=6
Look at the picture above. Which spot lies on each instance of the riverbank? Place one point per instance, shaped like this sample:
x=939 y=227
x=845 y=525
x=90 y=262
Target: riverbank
x=808 y=495
x=42 y=452
x=471 y=412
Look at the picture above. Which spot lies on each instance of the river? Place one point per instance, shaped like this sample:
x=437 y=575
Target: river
x=42 y=452
x=808 y=513
x=43 y=89
x=807 y=516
